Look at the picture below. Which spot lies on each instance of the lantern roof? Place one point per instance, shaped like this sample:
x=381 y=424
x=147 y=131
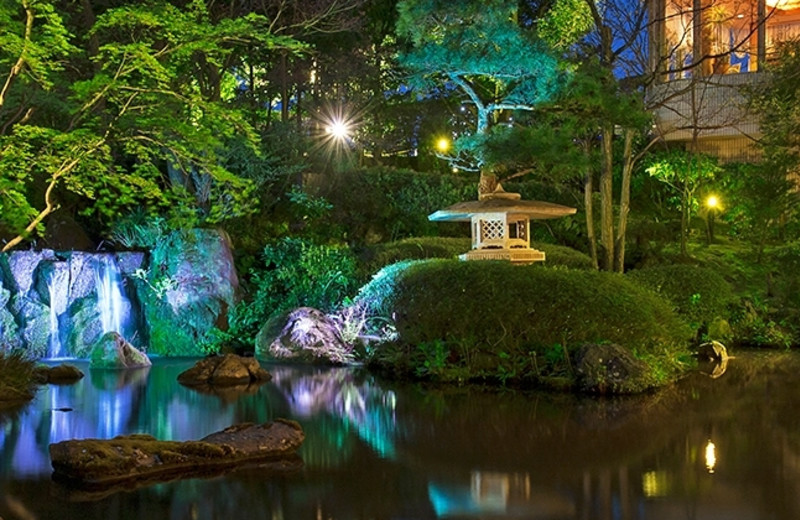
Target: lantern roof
x=501 y=201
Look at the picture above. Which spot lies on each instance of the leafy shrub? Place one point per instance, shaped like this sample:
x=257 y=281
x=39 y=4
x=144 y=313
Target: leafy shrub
x=699 y=294
x=497 y=319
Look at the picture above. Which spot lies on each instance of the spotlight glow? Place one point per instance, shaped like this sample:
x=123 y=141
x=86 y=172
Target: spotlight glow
x=712 y=201
x=339 y=129
x=443 y=144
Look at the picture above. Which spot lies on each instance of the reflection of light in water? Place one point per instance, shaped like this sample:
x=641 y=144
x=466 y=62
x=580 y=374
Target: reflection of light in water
x=655 y=484
x=367 y=407
x=711 y=456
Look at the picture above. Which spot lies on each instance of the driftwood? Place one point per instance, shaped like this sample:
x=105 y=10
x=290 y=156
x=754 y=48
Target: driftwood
x=136 y=460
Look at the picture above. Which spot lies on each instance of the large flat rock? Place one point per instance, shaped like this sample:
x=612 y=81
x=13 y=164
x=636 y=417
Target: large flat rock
x=141 y=457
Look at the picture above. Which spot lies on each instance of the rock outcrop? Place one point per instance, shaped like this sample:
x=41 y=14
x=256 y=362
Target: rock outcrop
x=303 y=335
x=112 y=351
x=141 y=459
x=226 y=370
x=63 y=374
x=610 y=369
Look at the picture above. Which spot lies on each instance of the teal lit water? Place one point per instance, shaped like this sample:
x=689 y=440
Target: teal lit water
x=726 y=448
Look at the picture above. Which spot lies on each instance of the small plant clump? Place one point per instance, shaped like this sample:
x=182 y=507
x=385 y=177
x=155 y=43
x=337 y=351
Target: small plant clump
x=17 y=381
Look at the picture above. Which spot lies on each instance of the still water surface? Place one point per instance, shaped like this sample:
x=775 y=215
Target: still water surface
x=726 y=448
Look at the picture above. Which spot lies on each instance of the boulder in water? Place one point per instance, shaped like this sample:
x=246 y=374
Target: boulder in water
x=304 y=335
x=112 y=351
x=62 y=374
x=140 y=459
x=226 y=370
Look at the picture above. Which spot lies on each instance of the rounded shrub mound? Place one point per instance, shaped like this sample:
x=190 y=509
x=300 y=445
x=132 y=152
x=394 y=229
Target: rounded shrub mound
x=462 y=320
x=699 y=294
x=563 y=256
x=420 y=248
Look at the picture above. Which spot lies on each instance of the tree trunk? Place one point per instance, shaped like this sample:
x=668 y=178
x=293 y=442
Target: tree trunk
x=624 y=201
x=284 y=75
x=684 y=218
x=588 y=191
x=607 y=200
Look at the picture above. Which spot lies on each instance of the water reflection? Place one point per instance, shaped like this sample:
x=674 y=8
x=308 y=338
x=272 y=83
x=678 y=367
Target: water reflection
x=706 y=448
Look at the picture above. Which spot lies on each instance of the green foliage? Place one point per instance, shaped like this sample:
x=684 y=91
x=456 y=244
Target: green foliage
x=495 y=318
x=686 y=173
x=99 y=135
x=417 y=248
x=480 y=48
x=762 y=200
x=565 y=23
x=138 y=230
x=700 y=294
x=294 y=273
x=776 y=100
x=381 y=204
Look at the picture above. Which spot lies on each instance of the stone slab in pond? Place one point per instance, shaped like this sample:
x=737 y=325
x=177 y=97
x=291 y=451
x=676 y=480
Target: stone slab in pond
x=140 y=459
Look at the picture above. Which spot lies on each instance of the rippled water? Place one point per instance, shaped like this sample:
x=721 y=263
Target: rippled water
x=725 y=448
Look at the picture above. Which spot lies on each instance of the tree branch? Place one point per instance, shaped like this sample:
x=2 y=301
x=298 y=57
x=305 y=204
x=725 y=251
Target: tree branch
x=17 y=67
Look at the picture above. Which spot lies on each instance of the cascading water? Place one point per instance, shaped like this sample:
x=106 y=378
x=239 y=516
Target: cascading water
x=57 y=289
x=112 y=304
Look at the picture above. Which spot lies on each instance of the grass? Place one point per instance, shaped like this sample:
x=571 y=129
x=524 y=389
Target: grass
x=16 y=377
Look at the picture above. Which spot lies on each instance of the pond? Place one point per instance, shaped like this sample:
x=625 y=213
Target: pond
x=703 y=449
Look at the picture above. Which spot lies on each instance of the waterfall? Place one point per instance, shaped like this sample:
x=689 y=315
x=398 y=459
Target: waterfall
x=57 y=289
x=112 y=304
x=54 y=349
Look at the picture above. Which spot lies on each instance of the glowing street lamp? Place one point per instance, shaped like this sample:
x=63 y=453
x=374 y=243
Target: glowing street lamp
x=443 y=144
x=713 y=205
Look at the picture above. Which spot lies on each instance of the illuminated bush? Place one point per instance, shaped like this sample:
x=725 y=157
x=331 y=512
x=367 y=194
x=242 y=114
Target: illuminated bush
x=494 y=319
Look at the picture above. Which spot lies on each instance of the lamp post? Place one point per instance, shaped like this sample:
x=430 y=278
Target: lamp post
x=712 y=203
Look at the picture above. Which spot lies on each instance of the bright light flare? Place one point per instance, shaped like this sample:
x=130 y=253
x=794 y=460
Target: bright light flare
x=712 y=201
x=443 y=144
x=339 y=129
x=711 y=456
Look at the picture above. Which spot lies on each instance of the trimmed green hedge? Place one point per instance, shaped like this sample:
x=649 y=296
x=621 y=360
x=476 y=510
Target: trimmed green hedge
x=462 y=320
x=420 y=248
x=699 y=294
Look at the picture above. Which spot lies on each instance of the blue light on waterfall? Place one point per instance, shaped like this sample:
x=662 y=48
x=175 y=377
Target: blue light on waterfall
x=55 y=349
x=57 y=289
x=111 y=302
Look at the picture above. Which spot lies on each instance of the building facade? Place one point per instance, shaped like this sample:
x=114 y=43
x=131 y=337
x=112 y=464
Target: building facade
x=703 y=52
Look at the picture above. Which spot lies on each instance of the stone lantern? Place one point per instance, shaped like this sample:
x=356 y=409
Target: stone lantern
x=501 y=225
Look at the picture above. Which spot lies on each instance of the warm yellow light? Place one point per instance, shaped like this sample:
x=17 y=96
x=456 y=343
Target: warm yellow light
x=712 y=201
x=711 y=456
x=443 y=144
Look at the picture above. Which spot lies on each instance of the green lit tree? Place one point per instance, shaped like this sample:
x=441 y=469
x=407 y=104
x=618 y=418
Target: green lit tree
x=685 y=173
x=148 y=89
x=482 y=50
x=771 y=187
